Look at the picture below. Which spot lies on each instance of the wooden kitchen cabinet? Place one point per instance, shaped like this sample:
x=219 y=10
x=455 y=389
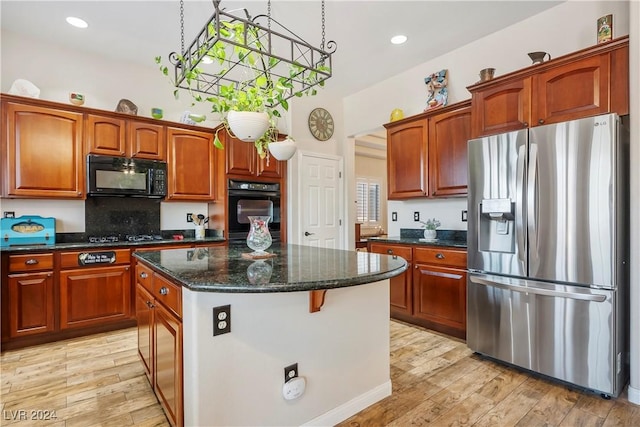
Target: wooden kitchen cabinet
x=427 y=153
x=191 y=164
x=30 y=295
x=244 y=162
x=94 y=294
x=42 y=149
x=407 y=158
x=585 y=83
x=168 y=363
x=116 y=136
x=448 y=135
x=159 y=313
x=400 y=287
x=439 y=289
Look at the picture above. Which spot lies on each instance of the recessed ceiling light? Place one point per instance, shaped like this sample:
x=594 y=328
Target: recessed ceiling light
x=77 y=22
x=399 y=39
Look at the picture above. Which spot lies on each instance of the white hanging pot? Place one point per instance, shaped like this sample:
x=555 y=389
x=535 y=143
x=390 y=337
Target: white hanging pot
x=283 y=150
x=248 y=125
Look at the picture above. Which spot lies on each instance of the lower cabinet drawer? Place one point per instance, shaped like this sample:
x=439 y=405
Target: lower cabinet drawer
x=441 y=256
x=168 y=294
x=397 y=250
x=30 y=262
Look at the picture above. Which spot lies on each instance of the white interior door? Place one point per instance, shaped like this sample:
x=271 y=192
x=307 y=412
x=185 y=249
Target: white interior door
x=320 y=196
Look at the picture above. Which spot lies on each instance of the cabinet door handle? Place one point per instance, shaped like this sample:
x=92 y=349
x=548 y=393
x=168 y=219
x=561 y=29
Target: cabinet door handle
x=439 y=256
x=144 y=275
x=164 y=291
x=541 y=121
x=31 y=261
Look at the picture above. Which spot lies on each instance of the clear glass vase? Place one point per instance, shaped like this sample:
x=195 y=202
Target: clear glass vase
x=259 y=237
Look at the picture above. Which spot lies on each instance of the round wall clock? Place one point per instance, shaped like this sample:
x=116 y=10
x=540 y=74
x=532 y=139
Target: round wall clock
x=321 y=124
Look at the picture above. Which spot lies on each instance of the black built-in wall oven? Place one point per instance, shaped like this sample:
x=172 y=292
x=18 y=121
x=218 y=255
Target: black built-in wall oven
x=248 y=198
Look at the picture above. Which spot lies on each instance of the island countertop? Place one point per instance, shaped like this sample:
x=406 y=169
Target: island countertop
x=293 y=268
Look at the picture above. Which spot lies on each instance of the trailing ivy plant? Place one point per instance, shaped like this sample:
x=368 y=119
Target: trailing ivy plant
x=259 y=92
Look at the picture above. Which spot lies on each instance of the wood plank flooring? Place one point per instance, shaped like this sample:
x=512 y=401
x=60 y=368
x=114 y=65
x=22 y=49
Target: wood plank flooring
x=99 y=381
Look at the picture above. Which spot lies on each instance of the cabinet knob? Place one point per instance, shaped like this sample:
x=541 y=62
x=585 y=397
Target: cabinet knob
x=541 y=121
x=390 y=251
x=416 y=267
x=31 y=261
x=164 y=291
x=439 y=256
x=149 y=304
x=525 y=124
x=144 y=275
x=126 y=268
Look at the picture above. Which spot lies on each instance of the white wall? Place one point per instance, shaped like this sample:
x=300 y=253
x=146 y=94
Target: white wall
x=345 y=371
x=558 y=31
x=634 y=60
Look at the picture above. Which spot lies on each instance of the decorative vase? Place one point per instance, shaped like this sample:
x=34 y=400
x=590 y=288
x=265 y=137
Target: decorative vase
x=283 y=150
x=248 y=125
x=259 y=237
x=430 y=234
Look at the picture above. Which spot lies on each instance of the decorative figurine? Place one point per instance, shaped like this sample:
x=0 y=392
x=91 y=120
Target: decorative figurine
x=437 y=92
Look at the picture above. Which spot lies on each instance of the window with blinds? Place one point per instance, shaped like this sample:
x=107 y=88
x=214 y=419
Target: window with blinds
x=368 y=200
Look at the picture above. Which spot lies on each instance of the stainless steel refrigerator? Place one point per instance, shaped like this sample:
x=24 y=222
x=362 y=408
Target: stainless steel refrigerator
x=548 y=250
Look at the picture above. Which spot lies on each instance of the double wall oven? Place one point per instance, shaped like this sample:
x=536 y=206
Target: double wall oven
x=247 y=198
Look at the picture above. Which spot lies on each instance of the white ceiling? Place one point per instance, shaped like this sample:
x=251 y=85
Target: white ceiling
x=140 y=30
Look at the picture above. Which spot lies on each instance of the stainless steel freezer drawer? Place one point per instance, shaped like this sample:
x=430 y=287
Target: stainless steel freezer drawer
x=567 y=332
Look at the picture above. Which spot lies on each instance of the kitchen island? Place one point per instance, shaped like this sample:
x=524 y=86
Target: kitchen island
x=237 y=378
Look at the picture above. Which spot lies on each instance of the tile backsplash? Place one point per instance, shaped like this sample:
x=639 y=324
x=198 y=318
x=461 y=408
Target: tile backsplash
x=121 y=215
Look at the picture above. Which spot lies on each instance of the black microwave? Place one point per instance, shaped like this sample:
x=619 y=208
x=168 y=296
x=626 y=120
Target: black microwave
x=122 y=176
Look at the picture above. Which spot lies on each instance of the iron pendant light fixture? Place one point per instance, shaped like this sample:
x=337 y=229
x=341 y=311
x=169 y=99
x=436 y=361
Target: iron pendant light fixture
x=224 y=52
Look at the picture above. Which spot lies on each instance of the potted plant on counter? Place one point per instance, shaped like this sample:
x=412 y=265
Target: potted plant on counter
x=430 y=227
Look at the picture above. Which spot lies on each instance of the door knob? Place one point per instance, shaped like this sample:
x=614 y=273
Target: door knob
x=306 y=233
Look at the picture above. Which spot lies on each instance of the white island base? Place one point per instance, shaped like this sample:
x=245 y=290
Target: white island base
x=236 y=379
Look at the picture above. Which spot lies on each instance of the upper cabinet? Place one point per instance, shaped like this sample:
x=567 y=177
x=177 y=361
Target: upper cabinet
x=585 y=83
x=42 y=152
x=449 y=132
x=427 y=153
x=191 y=165
x=114 y=136
x=243 y=160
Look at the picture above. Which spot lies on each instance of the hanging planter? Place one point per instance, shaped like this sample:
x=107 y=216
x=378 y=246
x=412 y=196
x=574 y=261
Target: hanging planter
x=249 y=68
x=283 y=150
x=248 y=125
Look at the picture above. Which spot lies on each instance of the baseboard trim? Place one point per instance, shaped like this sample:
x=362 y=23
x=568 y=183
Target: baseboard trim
x=352 y=407
x=634 y=395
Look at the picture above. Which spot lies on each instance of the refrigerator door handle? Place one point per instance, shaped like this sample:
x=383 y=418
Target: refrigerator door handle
x=520 y=235
x=532 y=228
x=497 y=283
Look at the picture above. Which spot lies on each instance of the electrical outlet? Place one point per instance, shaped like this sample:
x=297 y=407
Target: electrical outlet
x=416 y=216
x=189 y=217
x=290 y=372
x=464 y=216
x=9 y=214
x=394 y=216
x=222 y=320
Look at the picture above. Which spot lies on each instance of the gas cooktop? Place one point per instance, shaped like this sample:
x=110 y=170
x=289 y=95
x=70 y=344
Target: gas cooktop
x=113 y=238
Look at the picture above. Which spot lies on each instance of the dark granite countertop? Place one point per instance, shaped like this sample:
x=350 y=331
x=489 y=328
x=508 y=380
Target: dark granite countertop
x=412 y=236
x=87 y=245
x=294 y=268
x=415 y=241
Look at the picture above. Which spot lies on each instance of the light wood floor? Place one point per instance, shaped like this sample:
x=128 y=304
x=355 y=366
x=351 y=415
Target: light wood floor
x=98 y=381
